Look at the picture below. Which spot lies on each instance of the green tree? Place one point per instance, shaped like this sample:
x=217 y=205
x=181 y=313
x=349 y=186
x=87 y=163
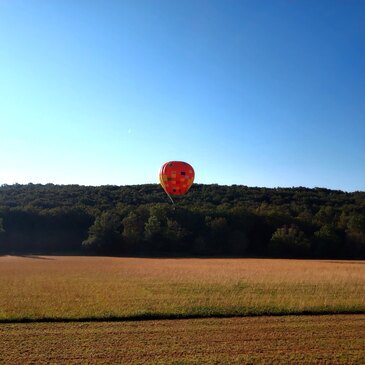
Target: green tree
x=356 y=235
x=161 y=211
x=325 y=215
x=132 y=230
x=289 y=241
x=105 y=233
x=2 y=230
x=237 y=243
x=152 y=228
x=328 y=242
x=175 y=231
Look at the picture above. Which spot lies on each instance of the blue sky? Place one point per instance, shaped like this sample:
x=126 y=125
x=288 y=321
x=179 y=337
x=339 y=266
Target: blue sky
x=259 y=93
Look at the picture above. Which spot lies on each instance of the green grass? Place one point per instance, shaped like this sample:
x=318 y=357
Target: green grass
x=76 y=288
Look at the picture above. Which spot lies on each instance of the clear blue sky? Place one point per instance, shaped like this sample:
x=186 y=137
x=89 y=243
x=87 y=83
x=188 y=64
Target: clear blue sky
x=259 y=93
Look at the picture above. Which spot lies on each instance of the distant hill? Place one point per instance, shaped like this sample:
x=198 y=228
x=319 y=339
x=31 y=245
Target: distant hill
x=51 y=196
x=210 y=220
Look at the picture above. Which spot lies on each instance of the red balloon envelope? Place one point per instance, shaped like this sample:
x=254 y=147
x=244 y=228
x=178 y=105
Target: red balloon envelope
x=176 y=177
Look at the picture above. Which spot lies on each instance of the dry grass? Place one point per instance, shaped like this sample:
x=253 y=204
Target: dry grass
x=104 y=287
x=335 y=339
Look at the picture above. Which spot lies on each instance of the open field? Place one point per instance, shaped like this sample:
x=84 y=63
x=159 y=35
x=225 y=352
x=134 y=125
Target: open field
x=72 y=287
x=52 y=288
x=331 y=339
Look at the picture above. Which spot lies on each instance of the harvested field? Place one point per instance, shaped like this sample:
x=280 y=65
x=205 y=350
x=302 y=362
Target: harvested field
x=56 y=287
x=337 y=339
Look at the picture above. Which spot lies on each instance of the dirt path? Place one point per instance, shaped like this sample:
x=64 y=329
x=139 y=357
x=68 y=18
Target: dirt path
x=332 y=339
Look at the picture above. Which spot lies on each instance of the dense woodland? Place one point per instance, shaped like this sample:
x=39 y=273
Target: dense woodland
x=211 y=220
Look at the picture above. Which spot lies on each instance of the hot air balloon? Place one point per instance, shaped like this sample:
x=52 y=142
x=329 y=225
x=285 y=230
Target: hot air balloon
x=176 y=177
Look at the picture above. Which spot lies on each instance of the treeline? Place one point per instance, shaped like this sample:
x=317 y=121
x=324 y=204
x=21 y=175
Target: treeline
x=211 y=220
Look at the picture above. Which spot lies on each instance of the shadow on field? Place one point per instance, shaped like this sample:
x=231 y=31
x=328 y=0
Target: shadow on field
x=36 y=257
x=171 y=316
x=30 y=256
x=347 y=262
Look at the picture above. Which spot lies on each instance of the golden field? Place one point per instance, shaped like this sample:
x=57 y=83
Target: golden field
x=61 y=287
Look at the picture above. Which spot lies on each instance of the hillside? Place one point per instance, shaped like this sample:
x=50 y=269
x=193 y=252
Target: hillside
x=211 y=220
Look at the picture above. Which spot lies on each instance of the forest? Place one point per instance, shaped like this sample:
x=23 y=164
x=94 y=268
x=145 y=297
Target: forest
x=209 y=221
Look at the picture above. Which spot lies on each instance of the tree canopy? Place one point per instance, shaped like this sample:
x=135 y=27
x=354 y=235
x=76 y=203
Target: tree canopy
x=211 y=220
